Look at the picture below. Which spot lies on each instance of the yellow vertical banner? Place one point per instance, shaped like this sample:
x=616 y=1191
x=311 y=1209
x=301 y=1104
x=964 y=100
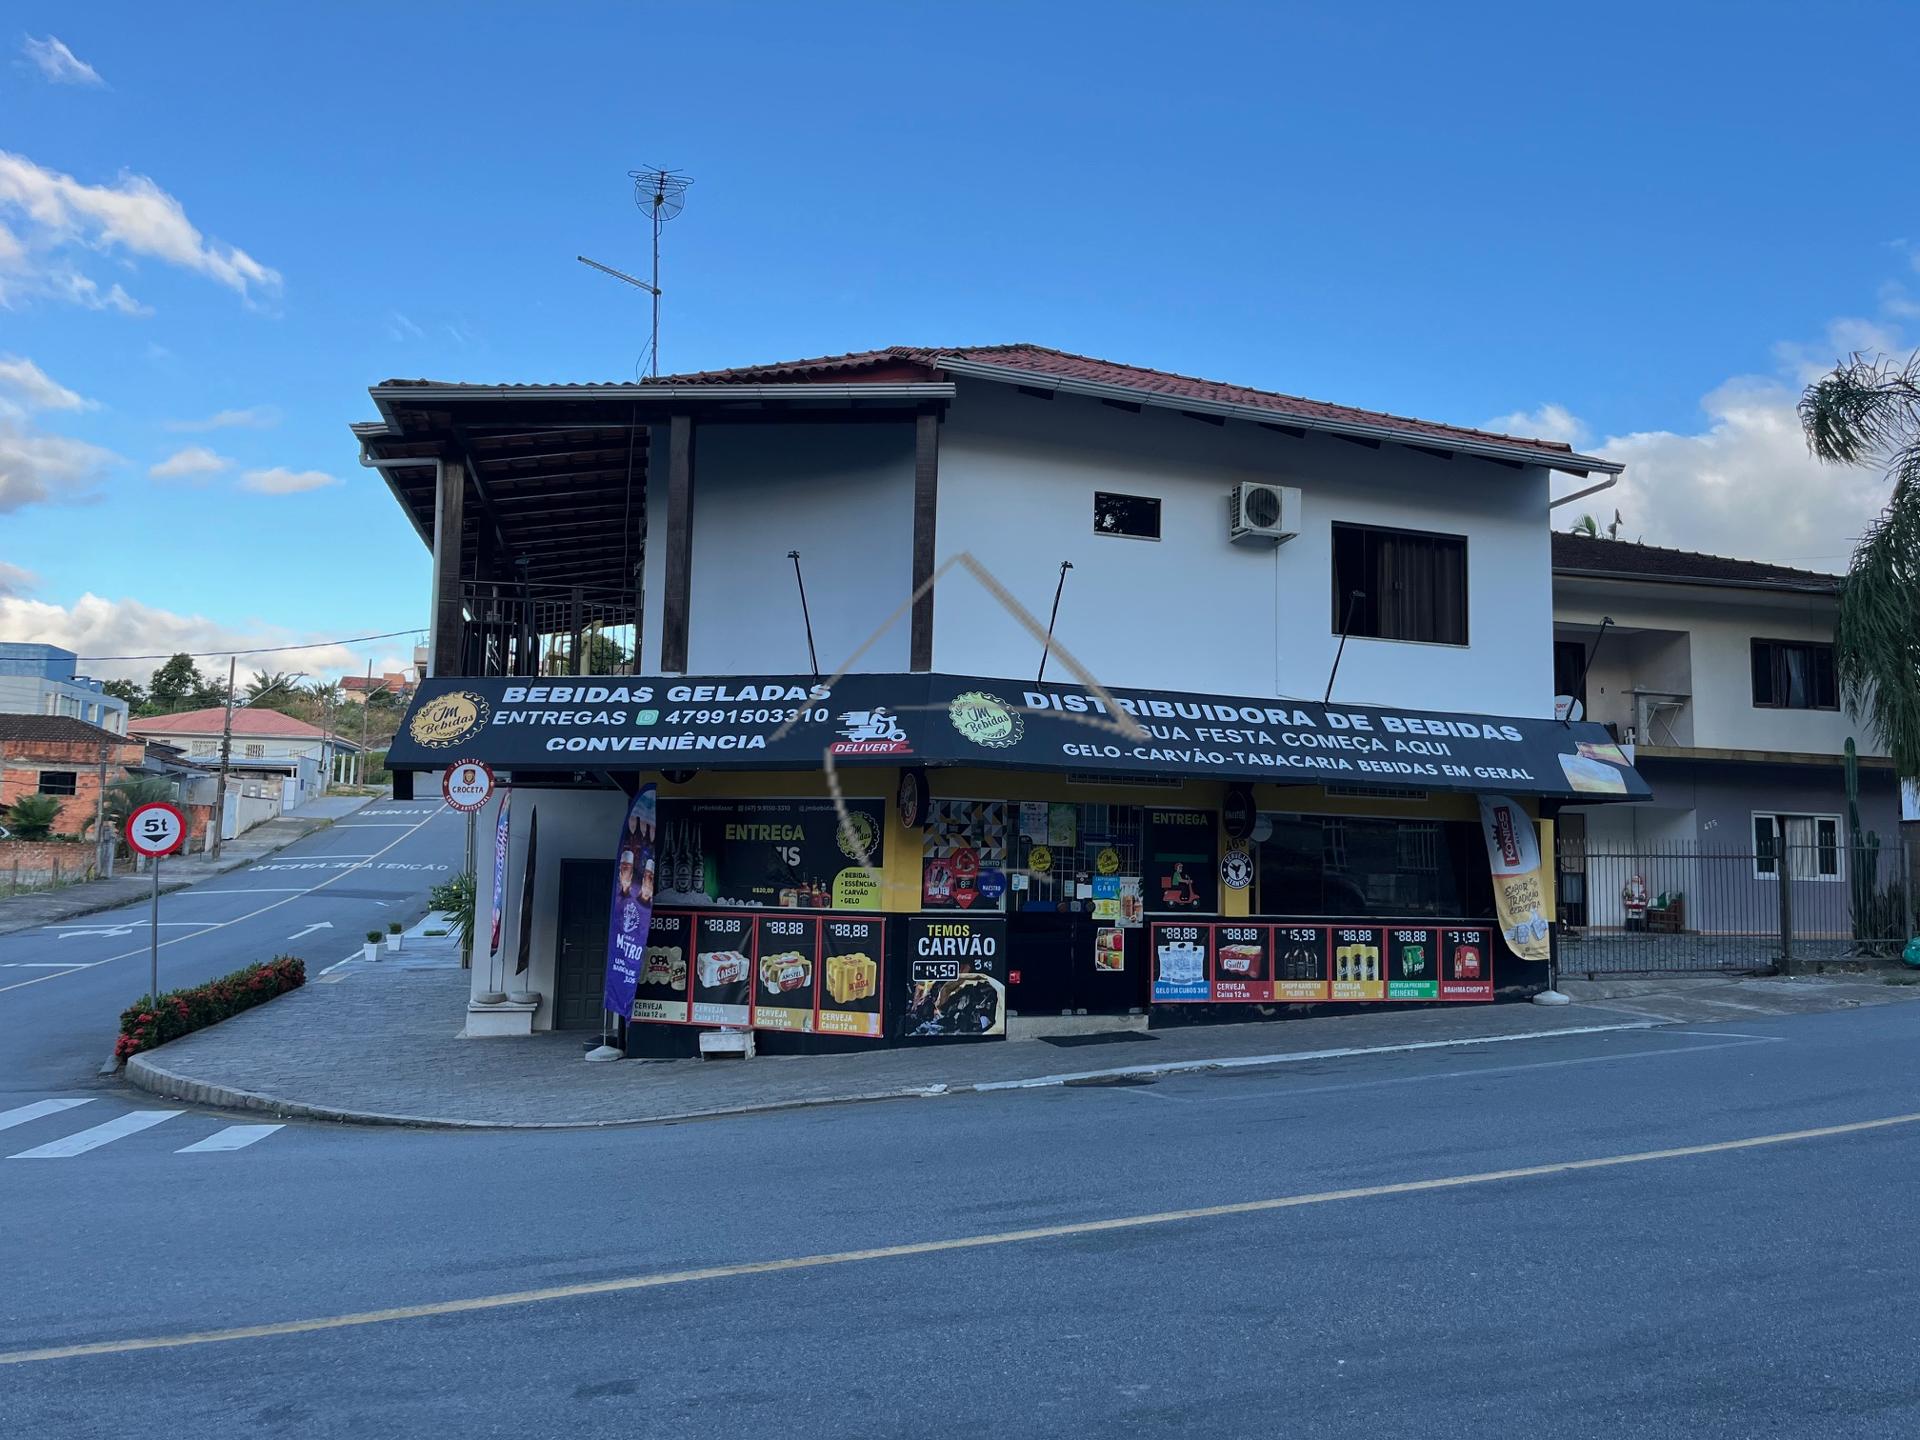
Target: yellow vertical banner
x=1513 y=852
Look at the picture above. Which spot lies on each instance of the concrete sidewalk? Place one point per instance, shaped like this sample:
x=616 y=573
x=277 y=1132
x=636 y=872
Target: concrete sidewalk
x=131 y=887
x=379 y=1044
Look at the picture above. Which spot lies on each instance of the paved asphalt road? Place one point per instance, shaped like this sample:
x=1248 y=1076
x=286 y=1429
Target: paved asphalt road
x=62 y=988
x=1731 y=1292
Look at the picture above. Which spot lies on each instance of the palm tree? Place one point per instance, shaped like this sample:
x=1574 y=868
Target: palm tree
x=1588 y=526
x=1867 y=412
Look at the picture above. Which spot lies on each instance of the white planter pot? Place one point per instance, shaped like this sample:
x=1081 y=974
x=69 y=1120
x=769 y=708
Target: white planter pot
x=370 y=953
x=393 y=944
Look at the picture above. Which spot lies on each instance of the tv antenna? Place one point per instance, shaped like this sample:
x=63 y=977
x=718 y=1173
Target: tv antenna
x=661 y=194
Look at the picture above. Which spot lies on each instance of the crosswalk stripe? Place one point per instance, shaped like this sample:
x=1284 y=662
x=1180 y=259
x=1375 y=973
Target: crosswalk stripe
x=11 y=1118
x=79 y=1143
x=234 y=1137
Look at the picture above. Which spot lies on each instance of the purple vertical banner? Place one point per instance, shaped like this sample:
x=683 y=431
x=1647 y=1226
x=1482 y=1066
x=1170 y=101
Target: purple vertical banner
x=632 y=911
x=501 y=828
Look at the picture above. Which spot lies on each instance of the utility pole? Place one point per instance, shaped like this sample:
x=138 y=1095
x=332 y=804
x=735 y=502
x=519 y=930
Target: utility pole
x=366 y=702
x=226 y=756
x=102 y=841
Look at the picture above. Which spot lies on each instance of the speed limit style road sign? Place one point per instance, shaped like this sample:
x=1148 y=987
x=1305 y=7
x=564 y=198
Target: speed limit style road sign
x=467 y=784
x=156 y=829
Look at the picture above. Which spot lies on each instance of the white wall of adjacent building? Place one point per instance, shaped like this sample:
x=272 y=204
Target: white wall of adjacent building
x=1189 y=611
x=1698 y=641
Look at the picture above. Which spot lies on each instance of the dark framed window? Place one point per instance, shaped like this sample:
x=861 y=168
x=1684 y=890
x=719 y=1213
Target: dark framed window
x=1413 y=585
x=1794 y=675
x=58 y=782
x=1569 y=669
x=1135 y=516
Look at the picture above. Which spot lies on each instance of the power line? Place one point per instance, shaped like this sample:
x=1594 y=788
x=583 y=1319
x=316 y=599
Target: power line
x=258 y=649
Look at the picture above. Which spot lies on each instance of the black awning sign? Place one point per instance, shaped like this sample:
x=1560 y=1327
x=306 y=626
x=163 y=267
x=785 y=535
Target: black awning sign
x=799 y=723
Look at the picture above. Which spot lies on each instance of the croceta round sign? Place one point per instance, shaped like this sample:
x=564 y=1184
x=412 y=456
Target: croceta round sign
x=156 y=829
x=467 y=784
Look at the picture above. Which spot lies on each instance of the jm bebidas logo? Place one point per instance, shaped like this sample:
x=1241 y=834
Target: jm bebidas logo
x=986 y=719
x=448 y=719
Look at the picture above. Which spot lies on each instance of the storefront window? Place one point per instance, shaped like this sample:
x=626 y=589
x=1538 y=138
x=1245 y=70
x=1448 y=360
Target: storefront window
x=1350 y=865
x=1076 y=846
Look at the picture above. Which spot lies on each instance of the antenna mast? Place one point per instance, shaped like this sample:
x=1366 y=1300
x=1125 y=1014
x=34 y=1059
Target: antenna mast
x=661 y=194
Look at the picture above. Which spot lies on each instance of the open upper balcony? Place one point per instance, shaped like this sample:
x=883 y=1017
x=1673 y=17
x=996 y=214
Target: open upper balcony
x=1639 y=682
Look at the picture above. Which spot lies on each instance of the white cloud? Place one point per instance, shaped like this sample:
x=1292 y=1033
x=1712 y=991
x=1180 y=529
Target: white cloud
x=94 y=626
x=191 y=463
x=25 y=386
x=16 y=580
x=55 y=215
x=400 y=327
x=282 y=481
x=59 y=64
x=257 y=417
x=37 y=467
x=1549 y=422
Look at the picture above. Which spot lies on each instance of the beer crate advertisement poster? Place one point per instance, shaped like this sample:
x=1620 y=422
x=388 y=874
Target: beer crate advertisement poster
x=1263 y=961
x=773 y=854
x=957 y=976
x=805 y=974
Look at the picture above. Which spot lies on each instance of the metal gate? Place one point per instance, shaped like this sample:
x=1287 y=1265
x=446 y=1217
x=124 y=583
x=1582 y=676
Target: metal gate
x=1806 y=900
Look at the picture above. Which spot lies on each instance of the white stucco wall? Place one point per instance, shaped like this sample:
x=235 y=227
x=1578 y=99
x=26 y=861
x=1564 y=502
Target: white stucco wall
x=842 y=495
x=573 y=825
x=1720 y=625
x=1194 y=611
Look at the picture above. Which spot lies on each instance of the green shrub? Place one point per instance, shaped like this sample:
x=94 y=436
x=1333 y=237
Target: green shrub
x=181 y=1012
x=31 y=817
x=455 y=900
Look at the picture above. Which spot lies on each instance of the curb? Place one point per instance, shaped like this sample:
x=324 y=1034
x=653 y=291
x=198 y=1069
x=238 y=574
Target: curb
x=142 y=1072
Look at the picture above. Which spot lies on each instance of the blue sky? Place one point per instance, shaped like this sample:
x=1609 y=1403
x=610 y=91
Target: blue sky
x=1639 y=228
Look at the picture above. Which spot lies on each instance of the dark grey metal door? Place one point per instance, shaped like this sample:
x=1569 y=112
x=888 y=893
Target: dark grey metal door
x=585 y=886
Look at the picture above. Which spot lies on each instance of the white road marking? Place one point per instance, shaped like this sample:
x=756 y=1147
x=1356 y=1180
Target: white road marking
x=11 y=1118
x=79 y=1143
x=222 y=924
x=374 y=825
x=261 y=890
x=234 y=1137
x=44 y=965
x=1243 y=1062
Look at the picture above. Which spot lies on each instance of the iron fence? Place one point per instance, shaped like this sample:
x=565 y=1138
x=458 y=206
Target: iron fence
x=514 y=629
x=1684 y=907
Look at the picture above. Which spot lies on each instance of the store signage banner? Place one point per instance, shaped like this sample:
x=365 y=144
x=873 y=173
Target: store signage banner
x=523 y=955
x=632 y=910
x=1513 y=852
x=502 y=830
x=957 y=976
x=798 y=722
x=1267 y=962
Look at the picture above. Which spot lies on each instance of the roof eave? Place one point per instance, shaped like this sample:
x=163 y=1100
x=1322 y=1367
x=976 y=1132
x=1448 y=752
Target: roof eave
x=1569 y=462
x=1630 y=577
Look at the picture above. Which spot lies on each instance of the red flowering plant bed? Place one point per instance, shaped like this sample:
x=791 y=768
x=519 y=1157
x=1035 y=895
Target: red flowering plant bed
x=181 y=1012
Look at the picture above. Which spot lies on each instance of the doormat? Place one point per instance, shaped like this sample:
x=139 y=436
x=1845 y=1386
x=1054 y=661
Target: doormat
x=1107 y=1037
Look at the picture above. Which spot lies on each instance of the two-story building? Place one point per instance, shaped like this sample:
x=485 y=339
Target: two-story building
x=263 y=742
x=1719 y=673
x=988 y=683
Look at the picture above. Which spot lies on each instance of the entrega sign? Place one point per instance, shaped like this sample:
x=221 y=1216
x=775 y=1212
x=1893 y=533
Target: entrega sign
x=800 y=723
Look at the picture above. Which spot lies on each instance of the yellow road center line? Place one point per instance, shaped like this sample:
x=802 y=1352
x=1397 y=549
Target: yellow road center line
x=921 y=1247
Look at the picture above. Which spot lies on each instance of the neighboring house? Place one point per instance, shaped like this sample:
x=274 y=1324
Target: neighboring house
x=1227 y=547
x=41 y=680
x=357 y=689
x=1720 y=675
x=264 y=742
x=65 y=758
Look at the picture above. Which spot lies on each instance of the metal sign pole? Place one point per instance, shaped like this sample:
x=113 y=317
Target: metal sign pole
x=473 y=881
x=153 y=938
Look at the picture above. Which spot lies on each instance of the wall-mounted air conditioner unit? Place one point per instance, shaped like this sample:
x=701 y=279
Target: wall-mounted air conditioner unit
x=1262 y=514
